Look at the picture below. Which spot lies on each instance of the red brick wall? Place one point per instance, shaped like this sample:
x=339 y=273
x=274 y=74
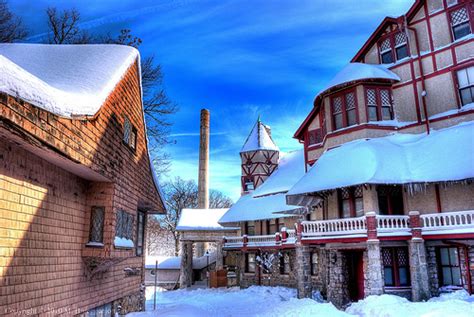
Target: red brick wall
x=49 y=172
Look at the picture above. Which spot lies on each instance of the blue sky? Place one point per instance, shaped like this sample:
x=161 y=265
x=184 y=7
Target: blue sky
x=240 y=59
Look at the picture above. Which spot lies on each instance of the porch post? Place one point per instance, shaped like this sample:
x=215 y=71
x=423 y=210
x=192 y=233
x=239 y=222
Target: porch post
x=186 y=270
x=420 y=287
x=303 y=268
x=373 y=276
x=219 y=255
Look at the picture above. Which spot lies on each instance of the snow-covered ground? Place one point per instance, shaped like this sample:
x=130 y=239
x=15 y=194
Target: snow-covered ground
x=280 y=301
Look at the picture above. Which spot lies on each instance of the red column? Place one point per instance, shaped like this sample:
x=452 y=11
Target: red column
x=245 y=240
x=278 y=239
x=299 y=231
x=415 y=224
x=371 y=220
x=284 y=235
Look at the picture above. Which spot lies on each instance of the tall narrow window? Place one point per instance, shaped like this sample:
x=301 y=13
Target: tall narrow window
x=396 y=266
x=351 y=202
x=386 y=52
x=379 y=103
x=337 y=113
x=450 y=270
x=140 y=232
x=285 y=263
x=124 y=229
x=344 y=110
x=314 y=263
x=466 y=85
x=351 y=109
x=250 y=262
x=273 y=226
x=460 y=23
x=401 y=45
x=390 y=200
x=96 y=233
x=129 y=134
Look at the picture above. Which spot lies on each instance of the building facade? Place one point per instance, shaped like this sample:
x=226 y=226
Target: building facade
x=76 y=181
x=386 y=205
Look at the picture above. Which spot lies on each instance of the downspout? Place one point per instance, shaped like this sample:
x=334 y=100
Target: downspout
x=422 y=75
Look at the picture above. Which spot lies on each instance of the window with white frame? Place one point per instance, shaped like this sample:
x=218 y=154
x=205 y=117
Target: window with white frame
x=140 y=232
x=449 y=268
x=460 y=23
x=466 y=85
x=394 y=47
x=401 y=45
x=344 y=109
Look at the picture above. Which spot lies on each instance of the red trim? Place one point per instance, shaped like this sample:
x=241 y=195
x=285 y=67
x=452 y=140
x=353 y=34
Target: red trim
x=339 y=240
x=449 y=236
x=306 y=121
x=394 y=238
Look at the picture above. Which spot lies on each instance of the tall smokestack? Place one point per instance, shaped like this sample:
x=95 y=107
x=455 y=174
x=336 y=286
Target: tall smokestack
x=203 y=180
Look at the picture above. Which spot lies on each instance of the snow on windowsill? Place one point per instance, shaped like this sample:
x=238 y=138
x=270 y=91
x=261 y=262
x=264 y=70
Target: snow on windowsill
x=123 y=243
x=94 y=244
x=469 y=106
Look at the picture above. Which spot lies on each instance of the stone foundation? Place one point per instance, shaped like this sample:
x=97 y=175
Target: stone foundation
x=130 y=303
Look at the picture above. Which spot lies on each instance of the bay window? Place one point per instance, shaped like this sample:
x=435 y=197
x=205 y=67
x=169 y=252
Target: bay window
x=344 y=109
x=396 y=266
x=351 y=202
x=379 y=103
x=466 y=85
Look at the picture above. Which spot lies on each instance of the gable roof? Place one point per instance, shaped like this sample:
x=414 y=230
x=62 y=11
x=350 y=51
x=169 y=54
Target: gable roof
x=259 y=139
x=66 y=80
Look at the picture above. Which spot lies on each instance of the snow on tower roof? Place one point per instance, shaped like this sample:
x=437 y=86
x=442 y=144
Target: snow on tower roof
x=269 y=198
x=359 y=71
x=64 y=79
x=201 y=219
x=443 y=155
x=259 y=139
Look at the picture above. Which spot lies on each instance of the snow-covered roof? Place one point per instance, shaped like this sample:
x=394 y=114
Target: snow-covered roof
x=259 y=139
x=174 y=262
x=359 y=71
x=291 y=168
x=269 y=198
x=249 y=208
x=64 y=79
x=443 y=155
x=201 y=219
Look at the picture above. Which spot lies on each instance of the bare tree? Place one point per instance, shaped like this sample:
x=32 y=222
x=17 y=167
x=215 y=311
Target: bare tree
x=11 y=27
x=181 y=194
x=65 y=29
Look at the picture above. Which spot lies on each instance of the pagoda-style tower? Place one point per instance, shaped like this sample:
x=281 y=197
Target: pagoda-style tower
x=259 y=157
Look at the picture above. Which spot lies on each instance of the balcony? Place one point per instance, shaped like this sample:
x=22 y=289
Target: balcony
x=283 y=238
x=459 y=224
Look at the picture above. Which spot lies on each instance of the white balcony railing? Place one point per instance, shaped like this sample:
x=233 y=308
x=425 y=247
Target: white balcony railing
x=264 y=240
x=334 y=227
x=447 y=221
x=291 y=236
x=234 y=242
x=388 y=225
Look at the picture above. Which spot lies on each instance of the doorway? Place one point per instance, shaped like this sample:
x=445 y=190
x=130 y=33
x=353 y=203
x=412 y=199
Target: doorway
x=355 y=267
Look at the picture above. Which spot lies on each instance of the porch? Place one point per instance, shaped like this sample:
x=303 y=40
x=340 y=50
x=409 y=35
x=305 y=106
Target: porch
x=371 y=226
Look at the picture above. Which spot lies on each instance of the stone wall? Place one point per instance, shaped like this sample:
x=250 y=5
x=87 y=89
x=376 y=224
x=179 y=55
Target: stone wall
x=337 y=291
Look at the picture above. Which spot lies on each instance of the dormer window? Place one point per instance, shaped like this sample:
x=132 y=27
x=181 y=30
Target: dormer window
x=401 y=45
x=344 y=109
x=386 y=52
x=394 y=46
x=460 y=23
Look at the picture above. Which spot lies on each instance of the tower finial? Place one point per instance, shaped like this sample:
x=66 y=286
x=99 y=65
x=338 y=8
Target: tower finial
x=258 y=120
